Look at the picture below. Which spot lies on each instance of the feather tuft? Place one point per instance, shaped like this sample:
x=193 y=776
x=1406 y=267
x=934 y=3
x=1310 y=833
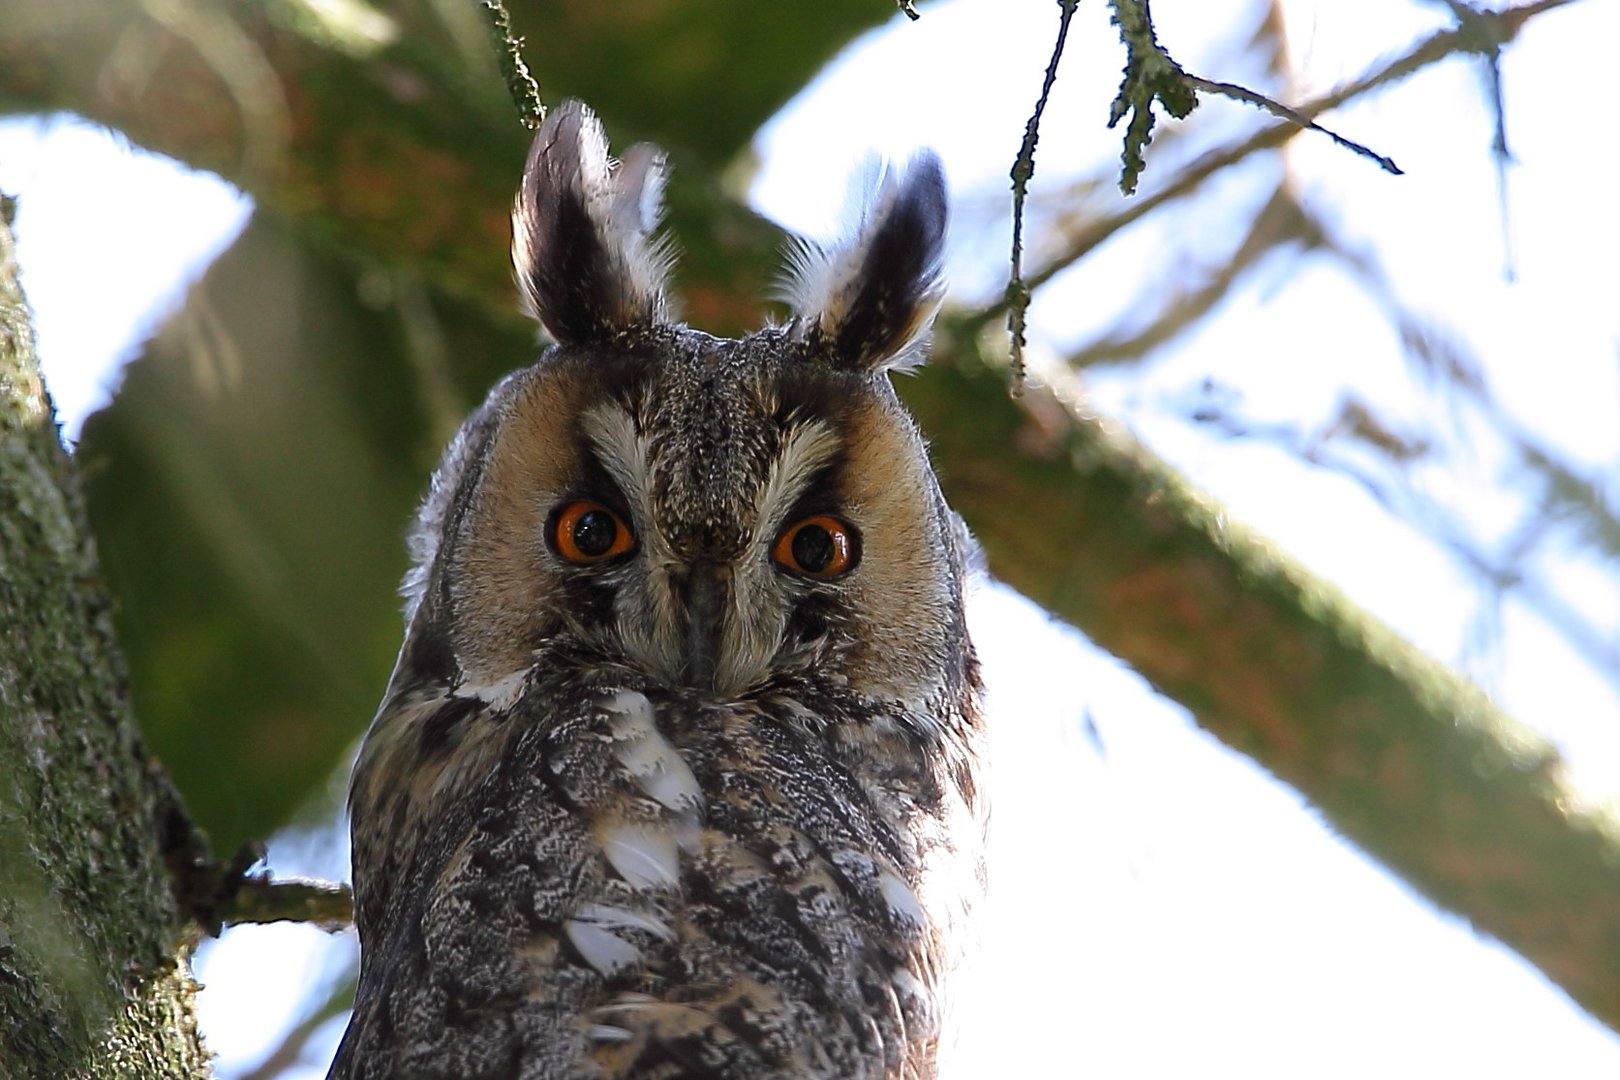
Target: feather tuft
x=867 y=302
x=583 y=247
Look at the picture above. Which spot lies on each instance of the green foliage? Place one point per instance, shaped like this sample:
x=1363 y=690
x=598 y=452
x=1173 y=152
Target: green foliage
x=250 y=487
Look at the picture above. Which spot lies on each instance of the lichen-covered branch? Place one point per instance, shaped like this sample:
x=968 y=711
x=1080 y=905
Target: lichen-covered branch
x=1150 y=76
x=1023 y=171
x=1153 y=76
x=509 y=48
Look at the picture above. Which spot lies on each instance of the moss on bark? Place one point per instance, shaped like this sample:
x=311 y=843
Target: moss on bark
x=92 y=978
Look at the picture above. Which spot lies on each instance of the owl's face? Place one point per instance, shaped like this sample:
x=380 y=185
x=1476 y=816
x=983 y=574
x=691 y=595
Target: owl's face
x=715 y=514
x=712 y=513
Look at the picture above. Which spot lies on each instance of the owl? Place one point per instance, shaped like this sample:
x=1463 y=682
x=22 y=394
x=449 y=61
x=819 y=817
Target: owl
x=677 y=774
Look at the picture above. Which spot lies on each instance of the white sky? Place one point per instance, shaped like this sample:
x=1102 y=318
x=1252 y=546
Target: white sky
x=1161 y=908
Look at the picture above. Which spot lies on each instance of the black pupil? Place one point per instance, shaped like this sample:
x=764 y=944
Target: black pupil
x=813 y=549
x=594 y=532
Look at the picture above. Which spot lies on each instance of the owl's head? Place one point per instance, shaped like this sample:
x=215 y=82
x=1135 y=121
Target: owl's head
x=712 y=513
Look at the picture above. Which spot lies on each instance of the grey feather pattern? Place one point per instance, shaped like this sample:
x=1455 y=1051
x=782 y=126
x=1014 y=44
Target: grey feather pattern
x=792 y=944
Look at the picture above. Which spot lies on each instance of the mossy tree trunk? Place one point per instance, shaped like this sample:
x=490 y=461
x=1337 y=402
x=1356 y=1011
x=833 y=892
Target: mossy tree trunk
x=93 y=978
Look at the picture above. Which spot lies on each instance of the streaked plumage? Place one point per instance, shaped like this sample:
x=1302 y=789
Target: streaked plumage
x=676 y=774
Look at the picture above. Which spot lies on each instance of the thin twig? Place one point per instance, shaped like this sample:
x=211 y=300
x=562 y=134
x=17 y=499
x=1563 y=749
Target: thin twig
x=262 y=900
x=1023 y=170
x=519 y=83
x=1278 y=109
x=1503 y=26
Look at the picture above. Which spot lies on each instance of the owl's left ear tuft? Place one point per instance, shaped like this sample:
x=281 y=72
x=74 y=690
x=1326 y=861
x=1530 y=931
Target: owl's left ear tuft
x=867 y=303
x=583 y=249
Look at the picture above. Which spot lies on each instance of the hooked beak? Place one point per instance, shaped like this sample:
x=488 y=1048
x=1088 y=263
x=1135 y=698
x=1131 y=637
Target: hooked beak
x=704 y=594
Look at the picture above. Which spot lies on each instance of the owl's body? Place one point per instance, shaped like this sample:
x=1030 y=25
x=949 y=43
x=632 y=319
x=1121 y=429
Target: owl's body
x=676 y=773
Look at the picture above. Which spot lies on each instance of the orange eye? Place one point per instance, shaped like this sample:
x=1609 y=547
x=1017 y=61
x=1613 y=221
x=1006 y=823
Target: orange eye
x=818 y=546
x=587 y=532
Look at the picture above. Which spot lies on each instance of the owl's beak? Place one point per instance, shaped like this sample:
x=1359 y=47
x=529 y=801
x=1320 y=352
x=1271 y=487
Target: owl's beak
x=704 y=600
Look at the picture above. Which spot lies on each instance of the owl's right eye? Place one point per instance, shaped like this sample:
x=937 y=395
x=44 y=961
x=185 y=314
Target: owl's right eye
x=586 y=532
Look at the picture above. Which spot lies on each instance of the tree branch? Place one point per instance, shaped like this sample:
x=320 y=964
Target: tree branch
x=1150 y=76
x=260 y=899
x=1293 y=116
x=519 y=83
x=1023 y=171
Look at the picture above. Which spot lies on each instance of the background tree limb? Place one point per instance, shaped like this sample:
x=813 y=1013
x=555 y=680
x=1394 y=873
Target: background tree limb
x=367 y=146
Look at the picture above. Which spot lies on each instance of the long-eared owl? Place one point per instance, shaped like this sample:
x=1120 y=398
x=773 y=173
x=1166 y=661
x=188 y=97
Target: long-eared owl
x=677 y=773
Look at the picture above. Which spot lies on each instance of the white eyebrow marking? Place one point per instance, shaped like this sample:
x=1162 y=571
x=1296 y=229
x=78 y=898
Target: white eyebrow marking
x=807 y=448
x=654 y=635
x=623 y=451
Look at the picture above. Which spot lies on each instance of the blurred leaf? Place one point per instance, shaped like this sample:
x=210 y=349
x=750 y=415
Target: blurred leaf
x=404 y=143
x=248 y=487
x=702 y=75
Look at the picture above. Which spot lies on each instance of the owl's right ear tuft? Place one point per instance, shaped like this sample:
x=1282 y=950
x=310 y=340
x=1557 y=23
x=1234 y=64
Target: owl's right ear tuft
x=867 y=303
x=583 y=249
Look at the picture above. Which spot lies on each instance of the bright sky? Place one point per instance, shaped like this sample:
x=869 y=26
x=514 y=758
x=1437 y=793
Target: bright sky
x=1161 y=907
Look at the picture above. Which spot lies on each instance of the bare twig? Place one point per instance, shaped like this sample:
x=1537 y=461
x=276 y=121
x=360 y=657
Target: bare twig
x=1467 y=17
x=1023 y=170
x=1152 y=74
x=1278 y=109
x=1403 y=757
x=1196 y=291
x=525 y=92
x=1507 y=568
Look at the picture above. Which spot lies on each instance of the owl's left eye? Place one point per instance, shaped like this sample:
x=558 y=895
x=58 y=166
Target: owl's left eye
x=819 y=546
x=585 y=532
